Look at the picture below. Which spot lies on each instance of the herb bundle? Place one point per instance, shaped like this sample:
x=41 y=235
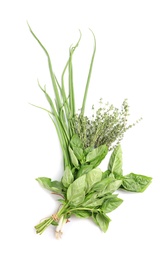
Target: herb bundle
x=84 y=189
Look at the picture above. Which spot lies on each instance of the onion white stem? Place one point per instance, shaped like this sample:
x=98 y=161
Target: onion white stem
x=59 y=229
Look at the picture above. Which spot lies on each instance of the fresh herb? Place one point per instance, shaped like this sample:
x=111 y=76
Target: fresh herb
x=107 y=125
x=85 y=191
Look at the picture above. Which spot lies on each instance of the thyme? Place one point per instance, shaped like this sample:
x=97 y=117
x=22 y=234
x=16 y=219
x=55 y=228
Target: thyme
x=107 y=125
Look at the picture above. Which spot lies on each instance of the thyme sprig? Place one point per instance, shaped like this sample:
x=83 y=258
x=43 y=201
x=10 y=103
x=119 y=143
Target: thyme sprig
x=107 y=125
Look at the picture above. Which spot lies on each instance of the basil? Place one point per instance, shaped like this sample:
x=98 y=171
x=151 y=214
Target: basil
x=73 y=157
x=96 y=156
x=76 y=191
x=135 y=182
x=111 y=204
x=93 y=177
x=68 y=177
x=54 y=186
x=103 y=221
x=115 y=162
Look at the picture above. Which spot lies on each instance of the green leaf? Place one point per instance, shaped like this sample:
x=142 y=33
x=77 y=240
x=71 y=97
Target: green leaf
x=93 y=177
x=112 y=176
x=103 y=221
x=68 y=177
x=76 y=191
x=76 y=142
x=57 y=184
x=90 y=198
x=46 y=183
x=113 y=186
x=115 y=162
x=93 y=202
x=82 y=213
x=79 y=153
x=74 y=159
x=97 y=155
x=84 y=170
x=135 y=182
x=97 y=161
x=106 y=174
x=100 y=186
x=111 y=204
x=94 y=218
x=88 y=150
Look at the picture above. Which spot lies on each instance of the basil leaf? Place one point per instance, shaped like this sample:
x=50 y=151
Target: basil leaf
x=112 y=176
x=106 y=174
x=74 y=159
x=94 y=218
x=88 y=150
x=93 y=200
x=115 y=162
x=68 y=177
x=93 y=177
x=84 y=170
x=103 y=221
x=91 y=197
x=76 y=142
x=57 y=184
x=111 y=204
x=92 y=203
x=76 y=191
x=82 y=213
x=79 y=153
x=135 y=182
x=100 y=186
x=110 y=188
x=113 y=186
x=97 y=155
x=46 y=183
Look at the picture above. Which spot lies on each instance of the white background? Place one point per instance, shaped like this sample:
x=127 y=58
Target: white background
x=131 y=62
